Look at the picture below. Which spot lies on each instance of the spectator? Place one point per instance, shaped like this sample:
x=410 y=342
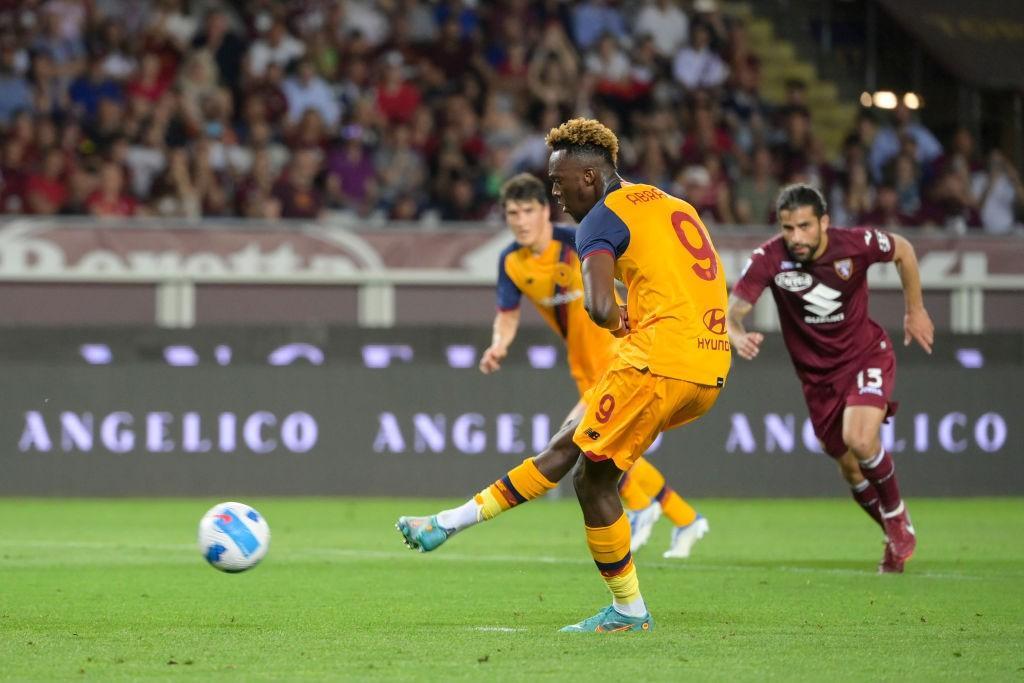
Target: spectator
x=462 y=203
x=429 y=121
x=698 y=66
x=227 y=48
x=952 y=206
x=69 y=17
x=1000 y=193
x=594 y=18
x=150 y=83
x=278 y=47
x=116 y=59
x=453 y=54
x=298 y=195
x=108 y=126
x=397 y=98
x=962 y=153
x=65 y=49
x=756 y=193
x=146 y=160
x=886 y=212
x=399 y=166
x=109 y=200
x=174 y=192
x=46 y=190
x=794 y=152
x=308 y=91
x=87 y=91
x=743 y=109
x=885 y=144
x=707 y=136
x=853 y=197
x=553 y=65
x=653 y=167
x=198 y=86
x=363 y=17
x=666 y=24
x=15 y=94
x=422 y=20
x=255 y=197
x=49 y=94
x=351 y=172
x=906 y=182
x=610 y=70
x=173 y=20
x=267 y=96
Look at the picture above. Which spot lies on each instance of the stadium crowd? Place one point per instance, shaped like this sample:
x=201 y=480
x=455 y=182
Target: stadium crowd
x=417 y=110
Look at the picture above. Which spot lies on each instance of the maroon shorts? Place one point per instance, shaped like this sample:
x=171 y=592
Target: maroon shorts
x=869 y=382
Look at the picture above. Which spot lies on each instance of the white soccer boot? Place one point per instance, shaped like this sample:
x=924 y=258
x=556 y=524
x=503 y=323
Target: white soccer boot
x=684 y=538
x=640 y=524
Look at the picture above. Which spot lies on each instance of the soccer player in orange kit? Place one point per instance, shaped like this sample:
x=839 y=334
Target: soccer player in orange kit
x=668 y=369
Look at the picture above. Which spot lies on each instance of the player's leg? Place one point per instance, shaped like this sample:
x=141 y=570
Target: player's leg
x=618 y=424
x=861 y=489
x=529 y=480
x=826 y=408
x=634 y=498
x=688 y=527
x=862 y=435
x=608 y=538
x=627 y=410
x=642 y=511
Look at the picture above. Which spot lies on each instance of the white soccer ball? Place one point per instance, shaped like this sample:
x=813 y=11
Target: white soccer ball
x=233 y=537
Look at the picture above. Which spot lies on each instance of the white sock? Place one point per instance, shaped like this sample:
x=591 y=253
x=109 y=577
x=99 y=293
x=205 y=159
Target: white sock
x=633 y=608
x=898 y=511
x=462 y=517
x=875 y=461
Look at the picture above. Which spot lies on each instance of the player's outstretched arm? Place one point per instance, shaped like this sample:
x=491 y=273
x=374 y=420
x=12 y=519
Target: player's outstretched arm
x=747 y=344
x=599 y=293
x=917 y=324
x=506 y=324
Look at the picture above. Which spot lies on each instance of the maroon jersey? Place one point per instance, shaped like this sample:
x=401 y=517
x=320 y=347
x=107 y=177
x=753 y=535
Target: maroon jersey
x=823 y=305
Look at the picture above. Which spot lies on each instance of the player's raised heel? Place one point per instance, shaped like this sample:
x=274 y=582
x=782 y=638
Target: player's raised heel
x=900 y=532
x=640 y=524
x=421 y=533
x=684 y=538
x=609 y=620
x=890 y=564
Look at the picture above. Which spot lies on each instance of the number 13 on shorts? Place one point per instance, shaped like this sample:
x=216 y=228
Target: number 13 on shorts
x=869 y=381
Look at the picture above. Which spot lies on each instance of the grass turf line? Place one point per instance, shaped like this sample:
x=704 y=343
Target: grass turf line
x=786 y=590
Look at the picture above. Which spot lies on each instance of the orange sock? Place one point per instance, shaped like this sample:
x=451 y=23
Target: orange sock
x=675 y=508
x=632 y=494
x=609 y=545
x=652 y=481
x=522 y=483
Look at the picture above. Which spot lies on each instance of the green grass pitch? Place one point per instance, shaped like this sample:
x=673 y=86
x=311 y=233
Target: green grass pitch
x=783 y=590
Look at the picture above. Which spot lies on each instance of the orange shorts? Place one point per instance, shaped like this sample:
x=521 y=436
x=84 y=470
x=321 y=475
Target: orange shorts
x=628 y=408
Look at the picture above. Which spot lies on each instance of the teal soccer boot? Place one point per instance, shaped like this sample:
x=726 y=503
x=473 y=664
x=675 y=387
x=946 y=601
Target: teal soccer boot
x=422 y=533
x=609 y=620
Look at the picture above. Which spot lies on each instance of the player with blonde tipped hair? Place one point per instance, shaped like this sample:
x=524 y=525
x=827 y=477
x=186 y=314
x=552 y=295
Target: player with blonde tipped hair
x=668 y=369
x=541 y=264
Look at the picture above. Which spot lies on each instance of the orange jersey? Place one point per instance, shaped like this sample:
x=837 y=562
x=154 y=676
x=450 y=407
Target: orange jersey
x=553 y=282
x=677 y=296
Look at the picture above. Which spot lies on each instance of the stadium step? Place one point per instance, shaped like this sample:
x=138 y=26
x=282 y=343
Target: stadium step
x=833 y=114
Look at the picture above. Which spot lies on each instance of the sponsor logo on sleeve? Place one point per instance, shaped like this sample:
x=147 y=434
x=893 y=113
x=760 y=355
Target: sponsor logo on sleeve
x=884 y=243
